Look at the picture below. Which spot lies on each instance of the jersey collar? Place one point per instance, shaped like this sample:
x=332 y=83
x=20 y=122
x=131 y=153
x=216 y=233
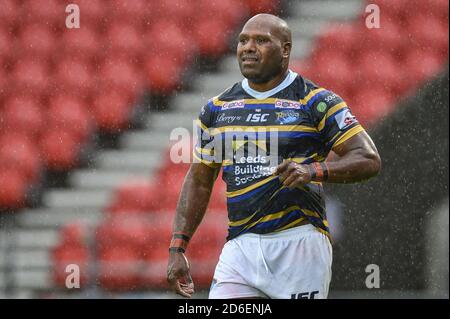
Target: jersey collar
x=264 y=95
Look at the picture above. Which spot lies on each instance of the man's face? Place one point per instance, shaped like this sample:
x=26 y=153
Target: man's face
x=259 y=53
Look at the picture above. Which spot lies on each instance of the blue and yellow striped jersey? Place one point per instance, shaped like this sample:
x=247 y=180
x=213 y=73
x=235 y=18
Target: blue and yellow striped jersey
x=249 y=133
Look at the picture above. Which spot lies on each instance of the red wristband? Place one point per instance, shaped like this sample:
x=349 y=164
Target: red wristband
x=320 y=172
x=179 y=242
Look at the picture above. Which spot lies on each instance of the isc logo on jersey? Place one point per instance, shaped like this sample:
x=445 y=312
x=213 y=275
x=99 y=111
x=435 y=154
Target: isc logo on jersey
x=257 y=117
x=287 y=104
x=345 y=118
x=238 y=104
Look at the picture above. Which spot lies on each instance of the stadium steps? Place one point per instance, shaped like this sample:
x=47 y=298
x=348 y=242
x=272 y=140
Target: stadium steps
x=328 y=10
x=45 y=218
x=139 y=154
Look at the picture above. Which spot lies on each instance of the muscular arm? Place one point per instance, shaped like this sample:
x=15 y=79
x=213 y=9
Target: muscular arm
x=357 y=160
x=191 y=208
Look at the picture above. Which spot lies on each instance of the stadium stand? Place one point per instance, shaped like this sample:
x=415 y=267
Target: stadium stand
x=114 y=220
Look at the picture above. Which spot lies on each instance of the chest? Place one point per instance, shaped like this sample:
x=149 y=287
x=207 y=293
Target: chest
x=274 y=112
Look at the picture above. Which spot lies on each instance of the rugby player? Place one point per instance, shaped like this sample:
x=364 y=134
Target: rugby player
x=278 y=243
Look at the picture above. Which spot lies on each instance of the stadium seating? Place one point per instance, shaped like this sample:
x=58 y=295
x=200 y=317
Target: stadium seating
x=18 y=153
x=9 y=13
x=123 y=49
x=13 y=195
x=373 y=69
x=69 y=112
x=60 y=149
x=23 y=115
x=127 y=47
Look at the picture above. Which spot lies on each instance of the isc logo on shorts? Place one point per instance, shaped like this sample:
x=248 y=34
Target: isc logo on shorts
x=286 y=104
x=305 y=295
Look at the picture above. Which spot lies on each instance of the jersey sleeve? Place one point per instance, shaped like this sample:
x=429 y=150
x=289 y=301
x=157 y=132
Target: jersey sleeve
x=204 y=149
x=334 y=119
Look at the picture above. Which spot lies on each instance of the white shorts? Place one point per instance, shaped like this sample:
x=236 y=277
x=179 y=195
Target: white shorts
x=291 y=264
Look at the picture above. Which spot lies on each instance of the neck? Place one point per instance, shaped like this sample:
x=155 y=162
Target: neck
x=269 y=85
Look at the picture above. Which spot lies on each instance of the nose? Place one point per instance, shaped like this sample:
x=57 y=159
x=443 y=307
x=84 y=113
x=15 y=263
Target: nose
x=249 y=46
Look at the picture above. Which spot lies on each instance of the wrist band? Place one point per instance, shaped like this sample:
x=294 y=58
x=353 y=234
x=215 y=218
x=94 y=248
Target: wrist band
x=325 y=171
x=179 y=242
x=320 y=172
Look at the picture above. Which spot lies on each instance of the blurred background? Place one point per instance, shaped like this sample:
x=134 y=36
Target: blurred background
x=86 y=115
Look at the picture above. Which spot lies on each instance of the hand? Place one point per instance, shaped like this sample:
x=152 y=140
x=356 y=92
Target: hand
x=178 y=275
x=292 y=174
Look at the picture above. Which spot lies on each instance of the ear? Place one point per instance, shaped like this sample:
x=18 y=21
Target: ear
x=287 y=46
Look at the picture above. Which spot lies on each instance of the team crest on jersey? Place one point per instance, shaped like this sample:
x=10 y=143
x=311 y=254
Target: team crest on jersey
x=238 y=104
x=287 y=104
x=287 y=117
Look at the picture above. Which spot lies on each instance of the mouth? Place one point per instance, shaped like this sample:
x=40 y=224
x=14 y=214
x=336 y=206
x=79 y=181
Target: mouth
x=249 y=59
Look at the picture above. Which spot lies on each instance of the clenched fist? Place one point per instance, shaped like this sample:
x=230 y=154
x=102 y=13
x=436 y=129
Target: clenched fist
x=293 y=174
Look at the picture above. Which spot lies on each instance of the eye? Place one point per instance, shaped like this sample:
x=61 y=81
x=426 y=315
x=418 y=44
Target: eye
x=242 y=41
x=261 y=40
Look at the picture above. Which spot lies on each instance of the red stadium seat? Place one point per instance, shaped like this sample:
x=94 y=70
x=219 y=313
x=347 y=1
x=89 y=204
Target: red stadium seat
x=371 y=105
x=302 y=67
x=209 y=238
x=429 y=33
x=69 y=113
x=123 y=38
x=134 y=197
x=37 y=40
x=13 y=190
x=379 y=69
x=389 y=38
x=9 y=13
x=18 y=153
x=75 y=234
x=53 y=12
x=168 y=182
x=167 y=39
x=93 y=11
x=217 y=201
x=337 y=39
x=430 y=64
x=111 y=111
x=262 y=6
x=433 y=8
x=30 y=76
x=60 y=149
x=396 y=8
x=4 y=84
x=22 y=114
x=153 y=275
x=70 y=254
x=163 y=74
x=119 y=269
x=6 y=40
x=204 y=249
x=119 y=74
x=133 y=12
x=331 y=70
x=74 y=76
x=84 y=42
x=212 y=46
x=231 y=12
x=182 y=12
x=156 y=252
x=122 y=230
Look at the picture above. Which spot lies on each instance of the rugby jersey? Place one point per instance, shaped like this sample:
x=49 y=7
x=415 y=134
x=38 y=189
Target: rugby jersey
x=248 y=133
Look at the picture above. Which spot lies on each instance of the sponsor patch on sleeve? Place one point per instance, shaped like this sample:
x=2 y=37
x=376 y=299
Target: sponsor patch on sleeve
x=345 y=118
